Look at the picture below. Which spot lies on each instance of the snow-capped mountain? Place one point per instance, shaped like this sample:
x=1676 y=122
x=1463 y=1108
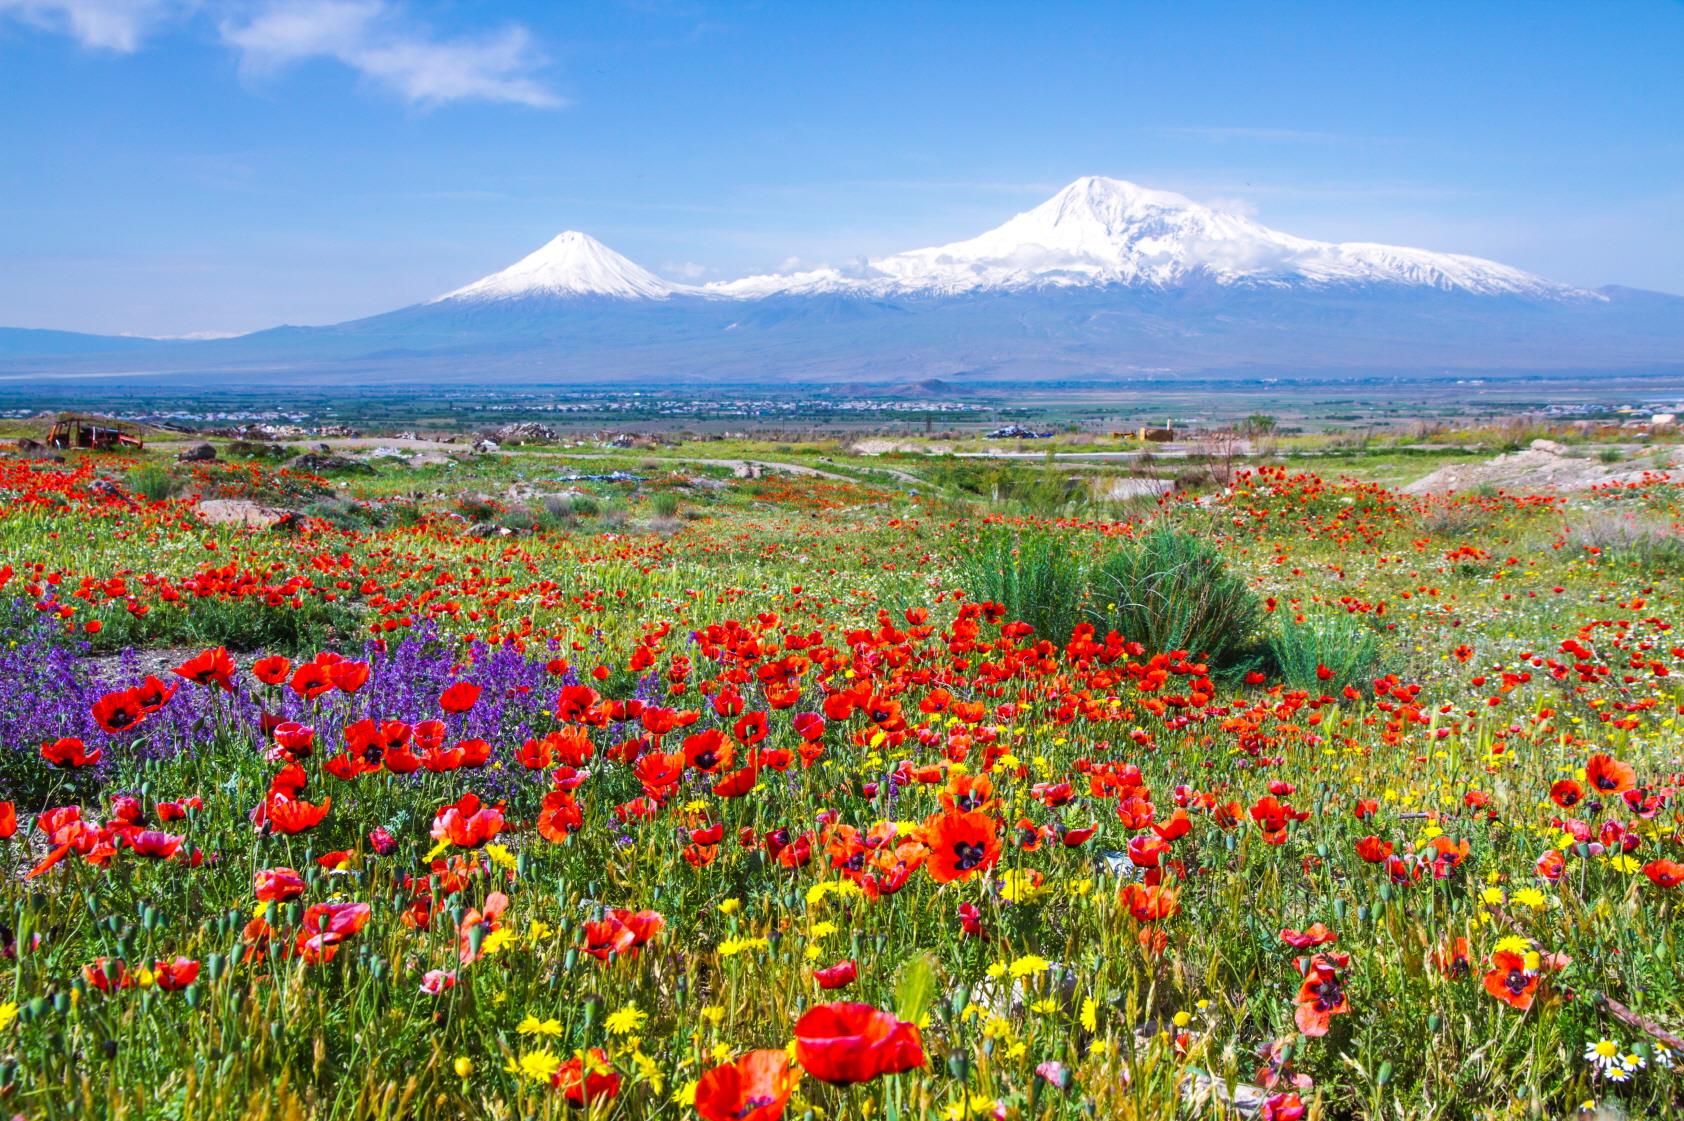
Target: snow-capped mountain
x=1104 y=282
x=570 y=264
x=1100 y=231
x=1094 y=233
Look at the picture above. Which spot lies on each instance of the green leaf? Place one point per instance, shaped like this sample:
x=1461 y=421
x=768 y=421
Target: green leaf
x=916 y=989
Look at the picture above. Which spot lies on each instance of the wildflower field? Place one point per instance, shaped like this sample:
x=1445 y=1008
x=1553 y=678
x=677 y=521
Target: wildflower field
x=820 y=798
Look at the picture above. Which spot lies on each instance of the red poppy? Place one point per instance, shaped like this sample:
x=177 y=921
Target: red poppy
x=1374 y=850
x=107 y=975
x=1452 y=959
x=1510 y=981
x=8 y=820
x=459 y=697
x=153 y=694
x=844 y=972
x=150 y=842
x=736 y=784
x=1316 y=934
x=1148 y=902
x=844 y=1043
x=466 y=823
x=1664 y=873
x=281 y=813
x=961 y=844
x=277 y=885
x=311 y=680
x=1283 y=1107
x=1322 y=995
x=70 y=753
x=754 y=1087
x=348 y=677
x=1566 y=793
x=119 y=711
x=210 y=667
x=173 y=976
x=272 y=670
x=708 y=751
x=587 y=1078
x=621 y=931
x=326 y=925
x=1608 y=775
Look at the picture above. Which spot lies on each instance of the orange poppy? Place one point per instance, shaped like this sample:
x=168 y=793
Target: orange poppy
x=1510 y=981
x=961 y=844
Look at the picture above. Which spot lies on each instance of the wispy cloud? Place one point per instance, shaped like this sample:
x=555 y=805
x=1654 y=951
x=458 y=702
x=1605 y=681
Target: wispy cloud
x=112 y=25
x=373 y=38
x=378 y=39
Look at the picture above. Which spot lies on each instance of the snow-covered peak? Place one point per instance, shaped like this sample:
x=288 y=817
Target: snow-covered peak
x=1108 y=231
x=571 y=264
x=1096 y=232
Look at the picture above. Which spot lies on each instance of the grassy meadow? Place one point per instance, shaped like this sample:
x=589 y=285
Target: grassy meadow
x=902 y=787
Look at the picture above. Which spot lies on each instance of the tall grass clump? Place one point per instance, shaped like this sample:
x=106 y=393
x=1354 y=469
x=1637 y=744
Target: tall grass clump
x=1168 y=590
x=154 y=483
x=1033 y=573
x=1171 y=590
x=1324 y=653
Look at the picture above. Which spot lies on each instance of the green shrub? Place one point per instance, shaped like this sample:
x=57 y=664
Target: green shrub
x=1340 y=644
x=518 y=520
x=1033 y=573
x=342 y=513
x=475 y=509
x=154 y=483
x=1171 y=590
x=663 y=504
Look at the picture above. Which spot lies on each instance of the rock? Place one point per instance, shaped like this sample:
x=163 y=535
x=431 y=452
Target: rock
x=526 y=432
x=198 y=453
x=316 y=463
x=240 y=511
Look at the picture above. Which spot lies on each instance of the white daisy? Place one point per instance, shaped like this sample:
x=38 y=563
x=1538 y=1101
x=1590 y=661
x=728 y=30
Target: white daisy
x=1604 y=1054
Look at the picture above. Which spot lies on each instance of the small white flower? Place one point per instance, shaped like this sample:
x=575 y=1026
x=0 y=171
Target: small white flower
x=1604 y=1054
x=1632 y=1061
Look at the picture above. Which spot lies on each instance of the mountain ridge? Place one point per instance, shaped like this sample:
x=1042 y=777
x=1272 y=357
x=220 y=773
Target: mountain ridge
x=1105 y=279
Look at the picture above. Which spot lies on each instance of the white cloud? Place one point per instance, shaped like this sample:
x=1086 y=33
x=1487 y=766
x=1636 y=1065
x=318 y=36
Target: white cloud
x=372 y=38
x=113 y=25
x=375 y=38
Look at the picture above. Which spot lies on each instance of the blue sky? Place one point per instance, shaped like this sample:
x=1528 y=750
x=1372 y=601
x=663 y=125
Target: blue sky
x=172 y=166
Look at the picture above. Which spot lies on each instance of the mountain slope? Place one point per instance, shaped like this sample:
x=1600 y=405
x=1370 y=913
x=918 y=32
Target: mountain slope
x=570 y=264
x=1104 y=281
x=1100 y=231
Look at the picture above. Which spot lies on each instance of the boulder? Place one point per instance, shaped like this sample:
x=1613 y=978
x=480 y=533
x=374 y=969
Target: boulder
x=198 y=453
x=318 y=463
x=240 y=511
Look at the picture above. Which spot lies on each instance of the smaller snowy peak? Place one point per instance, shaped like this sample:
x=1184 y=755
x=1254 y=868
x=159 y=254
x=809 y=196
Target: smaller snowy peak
x=571 y=264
